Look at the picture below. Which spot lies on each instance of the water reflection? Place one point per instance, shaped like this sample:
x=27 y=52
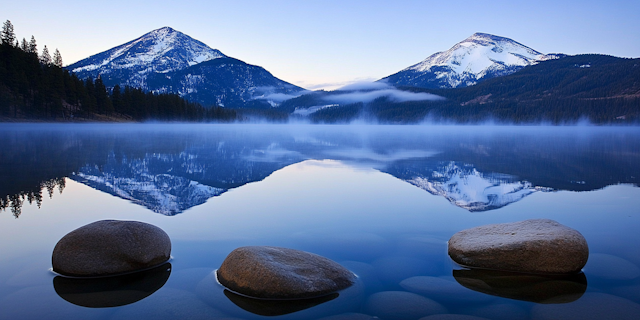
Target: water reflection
x=15 y=201
x=113 y=291
x=271 y=308
x=546 y=289
x=169 y=169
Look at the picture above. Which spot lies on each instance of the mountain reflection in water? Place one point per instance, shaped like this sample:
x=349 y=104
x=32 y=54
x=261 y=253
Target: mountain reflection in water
x=171 y=168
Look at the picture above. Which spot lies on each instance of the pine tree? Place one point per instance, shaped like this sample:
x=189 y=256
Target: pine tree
x=45 y=58
x=33 y=47
x=8 y=36
x=25 y=45
x=57 y=58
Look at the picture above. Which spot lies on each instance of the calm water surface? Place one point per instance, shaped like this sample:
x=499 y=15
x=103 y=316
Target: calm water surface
x=380 y=200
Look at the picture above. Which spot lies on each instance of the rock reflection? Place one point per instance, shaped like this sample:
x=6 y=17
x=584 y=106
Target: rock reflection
x=276 y=307
x=547 y=289
x=112 y=291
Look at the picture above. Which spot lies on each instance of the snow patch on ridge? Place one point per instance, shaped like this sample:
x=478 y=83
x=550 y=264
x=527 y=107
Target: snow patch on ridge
x=162 y=50
x=474 y=58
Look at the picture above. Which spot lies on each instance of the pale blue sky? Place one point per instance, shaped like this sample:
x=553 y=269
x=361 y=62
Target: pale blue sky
x=330 y=43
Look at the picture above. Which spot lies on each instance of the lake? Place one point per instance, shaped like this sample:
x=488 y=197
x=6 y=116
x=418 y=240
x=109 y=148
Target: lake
x=380 y=200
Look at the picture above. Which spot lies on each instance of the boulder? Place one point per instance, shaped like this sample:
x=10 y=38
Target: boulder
x=110 y=247
x=281 y=273
x=533 y=246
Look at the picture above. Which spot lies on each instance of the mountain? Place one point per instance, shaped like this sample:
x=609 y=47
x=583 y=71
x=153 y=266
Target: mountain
x=223 y=82
x=169 y=61
x=479 y=57
x=597 y=88
x=159 y=51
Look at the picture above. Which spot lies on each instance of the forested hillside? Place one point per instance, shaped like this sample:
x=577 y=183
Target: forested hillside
x=35 y=86
x=598 y=88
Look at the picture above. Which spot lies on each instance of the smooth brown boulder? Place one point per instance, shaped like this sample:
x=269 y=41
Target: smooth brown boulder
x=535 y=246
x=281 y=273
x=110 y=247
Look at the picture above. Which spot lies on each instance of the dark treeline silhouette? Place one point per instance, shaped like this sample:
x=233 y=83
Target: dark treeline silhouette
x=34 y=86
x=15 y=201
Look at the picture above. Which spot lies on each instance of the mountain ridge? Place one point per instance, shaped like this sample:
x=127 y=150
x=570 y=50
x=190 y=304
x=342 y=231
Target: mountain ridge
x=479 y=57
x=162 y=50
x=157 y=61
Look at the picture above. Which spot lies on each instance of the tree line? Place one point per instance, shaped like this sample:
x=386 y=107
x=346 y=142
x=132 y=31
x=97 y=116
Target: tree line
x=35 y=86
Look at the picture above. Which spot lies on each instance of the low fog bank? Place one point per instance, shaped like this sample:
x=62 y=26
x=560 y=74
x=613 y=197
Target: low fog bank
x=367 y=92
x=381 y=103
x=371 y=114
x=275 y=95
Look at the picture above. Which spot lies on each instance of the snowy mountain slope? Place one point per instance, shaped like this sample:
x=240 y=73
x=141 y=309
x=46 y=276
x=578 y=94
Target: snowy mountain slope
x=223 y=82
x=479 y=57
x=169 y=61
x=159 y=51
x=467 y=188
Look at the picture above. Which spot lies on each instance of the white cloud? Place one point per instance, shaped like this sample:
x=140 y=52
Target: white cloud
x=269 y=94
x=369 y=91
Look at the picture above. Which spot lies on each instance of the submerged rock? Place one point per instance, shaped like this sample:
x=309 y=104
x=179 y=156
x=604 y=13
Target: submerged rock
x=536 y=246
x=441 y=289
x=110 y=247
x=401 y=305
x=592 y=305
x=281 y=273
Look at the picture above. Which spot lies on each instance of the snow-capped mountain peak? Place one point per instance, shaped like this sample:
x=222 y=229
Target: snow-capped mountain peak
x=168 y=61
x=480 y=56
x=159 y=51
x=480 y=52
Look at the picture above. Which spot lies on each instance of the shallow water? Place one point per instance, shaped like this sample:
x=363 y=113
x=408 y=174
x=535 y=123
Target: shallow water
x=380 y=200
